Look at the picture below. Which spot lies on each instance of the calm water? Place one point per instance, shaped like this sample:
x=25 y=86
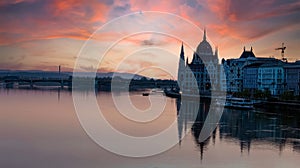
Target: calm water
x=40 y=129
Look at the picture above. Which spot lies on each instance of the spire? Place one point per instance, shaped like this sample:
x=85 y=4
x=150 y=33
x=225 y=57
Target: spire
x=182 y=52
x=204 y=35
x=216 y=51
x=251 y=49
x=187 y=60
x=244 y=48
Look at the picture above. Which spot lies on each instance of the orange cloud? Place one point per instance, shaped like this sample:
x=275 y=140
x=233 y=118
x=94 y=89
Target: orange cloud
x=229 y=23
x=100 y=13
x=59 y=19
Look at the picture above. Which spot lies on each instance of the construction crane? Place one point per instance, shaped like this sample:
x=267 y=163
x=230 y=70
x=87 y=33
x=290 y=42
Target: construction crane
x=282 y=48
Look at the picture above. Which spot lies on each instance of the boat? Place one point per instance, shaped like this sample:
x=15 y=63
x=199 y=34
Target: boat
x=185 y=95
x=172 y=94
x=241 y=103
x=145 y=94
x=155 y=91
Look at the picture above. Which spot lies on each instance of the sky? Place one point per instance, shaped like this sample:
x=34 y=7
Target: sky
x=42 y=34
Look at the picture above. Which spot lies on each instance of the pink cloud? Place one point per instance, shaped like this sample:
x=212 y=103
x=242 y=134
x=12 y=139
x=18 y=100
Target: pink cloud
x=229 y=23
x=73 y=19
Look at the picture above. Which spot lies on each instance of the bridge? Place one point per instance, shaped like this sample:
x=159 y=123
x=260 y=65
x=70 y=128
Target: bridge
x=11 y=81
x=99 y=83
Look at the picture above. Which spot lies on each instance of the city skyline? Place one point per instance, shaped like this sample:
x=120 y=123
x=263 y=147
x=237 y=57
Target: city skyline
x=40 y=35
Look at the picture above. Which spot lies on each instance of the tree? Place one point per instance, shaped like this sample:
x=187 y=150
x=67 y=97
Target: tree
x=287 y=95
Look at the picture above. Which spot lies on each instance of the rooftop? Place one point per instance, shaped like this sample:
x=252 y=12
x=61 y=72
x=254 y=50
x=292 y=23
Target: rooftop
x=247 y=54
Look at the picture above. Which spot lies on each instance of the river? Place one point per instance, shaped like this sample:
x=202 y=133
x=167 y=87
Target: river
x=40 y=128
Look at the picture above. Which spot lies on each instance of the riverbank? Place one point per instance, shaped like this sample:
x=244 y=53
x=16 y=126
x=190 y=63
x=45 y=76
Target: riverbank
x=268 y=103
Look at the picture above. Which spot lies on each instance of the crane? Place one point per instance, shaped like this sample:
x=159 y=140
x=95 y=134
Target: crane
x=282 y=48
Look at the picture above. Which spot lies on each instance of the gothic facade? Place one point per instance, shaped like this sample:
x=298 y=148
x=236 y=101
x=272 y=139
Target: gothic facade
x=202 y=73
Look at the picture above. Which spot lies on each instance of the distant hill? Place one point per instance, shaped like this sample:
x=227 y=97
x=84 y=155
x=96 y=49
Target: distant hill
x=121 y=75
x=53 y=74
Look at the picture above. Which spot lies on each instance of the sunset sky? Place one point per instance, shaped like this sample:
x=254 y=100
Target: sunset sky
x=42 y=34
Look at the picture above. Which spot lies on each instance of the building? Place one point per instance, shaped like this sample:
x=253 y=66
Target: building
x=292 y=77
x=271 y=78
x=222 y=81
x=248 y=72
x=236 y=80
x=202 y=73
x=234 y=70
x=250 y=76
x=275 y=76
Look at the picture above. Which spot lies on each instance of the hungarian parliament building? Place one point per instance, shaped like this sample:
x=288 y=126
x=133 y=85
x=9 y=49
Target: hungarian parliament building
x=204 y=73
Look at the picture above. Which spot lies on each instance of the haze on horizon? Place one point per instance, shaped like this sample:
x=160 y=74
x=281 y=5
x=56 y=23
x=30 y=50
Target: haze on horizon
x=40 y=35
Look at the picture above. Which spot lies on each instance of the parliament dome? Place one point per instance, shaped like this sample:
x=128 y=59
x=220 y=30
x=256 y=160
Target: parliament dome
x=204 y=47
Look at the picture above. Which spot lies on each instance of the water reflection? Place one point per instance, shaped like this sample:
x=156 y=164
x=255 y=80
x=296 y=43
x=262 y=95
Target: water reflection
x=39 y=128
x=275 y=129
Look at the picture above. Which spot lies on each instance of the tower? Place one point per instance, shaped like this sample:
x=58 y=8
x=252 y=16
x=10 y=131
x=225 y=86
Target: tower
x=59 y=69
x=181 y=68
x=204 y=35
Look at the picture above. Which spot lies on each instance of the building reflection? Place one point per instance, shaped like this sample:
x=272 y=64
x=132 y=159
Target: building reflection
x=244 y=127
x=191 y=116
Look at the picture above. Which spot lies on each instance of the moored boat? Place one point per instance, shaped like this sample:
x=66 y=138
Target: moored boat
x=155 y=91
x=240 y=103
x=145 y=94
